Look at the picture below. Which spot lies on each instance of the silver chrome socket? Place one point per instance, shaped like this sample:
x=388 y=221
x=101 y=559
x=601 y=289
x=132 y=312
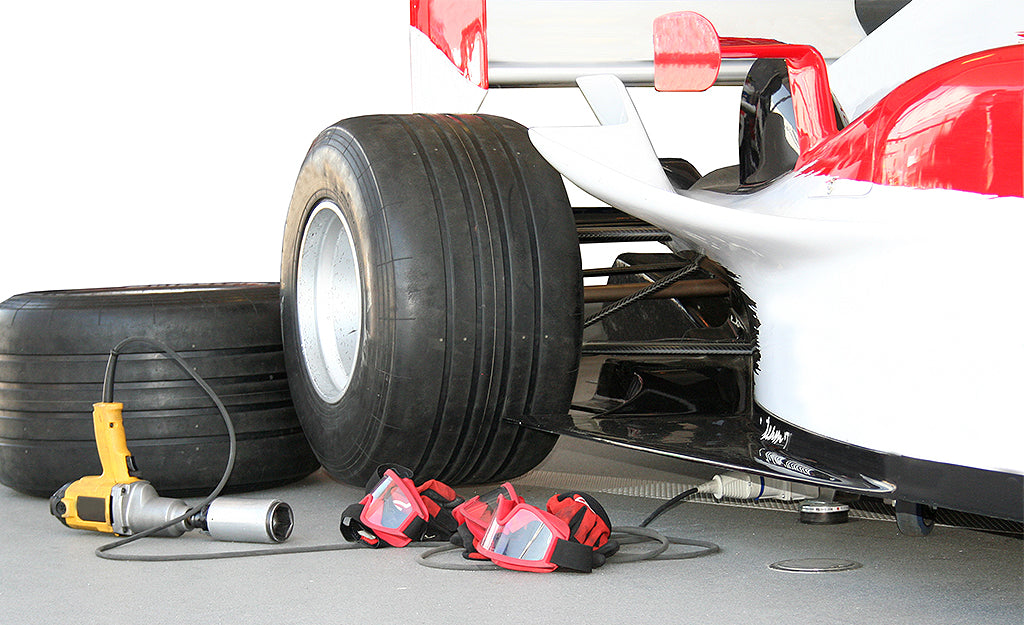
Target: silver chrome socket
x=249 y=520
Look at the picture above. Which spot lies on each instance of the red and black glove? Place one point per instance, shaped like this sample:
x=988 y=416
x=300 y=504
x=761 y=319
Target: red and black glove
x=588 y=522
x=439 y=499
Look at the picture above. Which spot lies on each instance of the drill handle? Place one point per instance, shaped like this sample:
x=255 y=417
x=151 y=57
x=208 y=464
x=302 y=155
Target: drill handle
x=118 y=463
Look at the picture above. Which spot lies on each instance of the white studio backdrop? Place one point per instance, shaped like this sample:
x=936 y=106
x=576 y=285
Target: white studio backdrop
x=155 y=143
x=145 y=143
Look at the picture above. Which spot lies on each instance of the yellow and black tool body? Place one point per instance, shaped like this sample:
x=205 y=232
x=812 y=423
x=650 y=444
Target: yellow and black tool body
x=85 y=503
x=118 y=502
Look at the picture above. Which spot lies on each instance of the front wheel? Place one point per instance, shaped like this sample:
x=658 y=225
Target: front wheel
x=431 y=286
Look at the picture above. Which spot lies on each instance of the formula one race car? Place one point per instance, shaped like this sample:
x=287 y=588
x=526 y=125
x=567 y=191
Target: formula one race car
x=829 y=310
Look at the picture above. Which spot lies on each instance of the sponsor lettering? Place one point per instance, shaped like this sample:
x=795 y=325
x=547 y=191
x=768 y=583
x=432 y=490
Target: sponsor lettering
x=774 y=435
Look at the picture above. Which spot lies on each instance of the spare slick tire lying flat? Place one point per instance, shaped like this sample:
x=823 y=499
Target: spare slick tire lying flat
x=431 y=295
x=53 y=353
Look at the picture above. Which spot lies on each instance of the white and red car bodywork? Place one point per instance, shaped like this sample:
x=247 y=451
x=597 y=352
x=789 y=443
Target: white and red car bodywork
x=885 y=268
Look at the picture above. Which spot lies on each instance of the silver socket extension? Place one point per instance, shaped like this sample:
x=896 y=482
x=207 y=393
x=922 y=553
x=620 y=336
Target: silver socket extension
x=249 y=520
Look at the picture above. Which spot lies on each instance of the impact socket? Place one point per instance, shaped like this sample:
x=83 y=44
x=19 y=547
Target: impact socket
x=246 y=520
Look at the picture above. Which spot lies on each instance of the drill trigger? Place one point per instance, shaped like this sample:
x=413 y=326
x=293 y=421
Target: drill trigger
x=133 y=469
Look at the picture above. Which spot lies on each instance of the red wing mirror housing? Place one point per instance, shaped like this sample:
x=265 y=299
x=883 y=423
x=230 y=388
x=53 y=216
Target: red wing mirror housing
x=688 y=54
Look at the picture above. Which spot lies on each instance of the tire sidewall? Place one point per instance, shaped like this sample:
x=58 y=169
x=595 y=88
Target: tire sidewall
x=336 y=169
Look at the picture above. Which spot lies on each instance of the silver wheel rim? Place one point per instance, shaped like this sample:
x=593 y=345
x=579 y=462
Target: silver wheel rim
x=329 y=301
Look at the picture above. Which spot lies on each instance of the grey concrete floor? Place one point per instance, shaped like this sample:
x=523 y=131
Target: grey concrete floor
x=49 y=573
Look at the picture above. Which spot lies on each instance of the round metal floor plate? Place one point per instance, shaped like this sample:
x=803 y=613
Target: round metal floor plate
x=815 y=565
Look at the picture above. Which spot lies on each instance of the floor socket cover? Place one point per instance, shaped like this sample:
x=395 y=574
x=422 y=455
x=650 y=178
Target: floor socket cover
x=815 y=565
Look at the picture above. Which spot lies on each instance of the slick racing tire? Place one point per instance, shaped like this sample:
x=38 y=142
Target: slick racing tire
x=431 y=287
x=53 y=354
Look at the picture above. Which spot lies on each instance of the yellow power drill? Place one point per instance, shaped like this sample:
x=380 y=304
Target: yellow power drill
x=118 y=502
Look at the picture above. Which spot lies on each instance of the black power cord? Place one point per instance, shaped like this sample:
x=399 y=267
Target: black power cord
x=108 y=396
x=668 y=505
x=223 y=555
